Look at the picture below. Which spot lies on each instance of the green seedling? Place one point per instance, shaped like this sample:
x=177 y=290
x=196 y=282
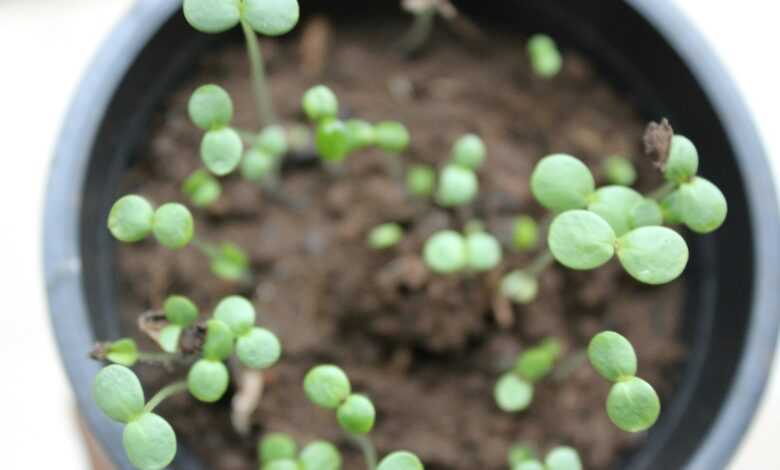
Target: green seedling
x=279 y=451
x=632 y=404
x=123 y=352
x=226 y=260
x=391 y=136
x=421 y=181
x=401 y=460
x=525 y=233
x=385 y=236
x=132 y=219
x=362 y=134
x=458 y=186
x=546 y=60
x=202 y=188
x=320 y=103
x=559 y=458
x=263 y=161
x=619 y=171
x=180 y=313
x=211 y=109
x=448 y=252
x=469 y=152
x=514 y=390
x=520 y=287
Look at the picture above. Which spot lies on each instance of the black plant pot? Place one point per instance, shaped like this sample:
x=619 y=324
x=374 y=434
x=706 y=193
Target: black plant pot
x=652 y=55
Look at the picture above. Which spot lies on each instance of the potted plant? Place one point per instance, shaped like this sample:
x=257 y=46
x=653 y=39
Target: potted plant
x=410 y=290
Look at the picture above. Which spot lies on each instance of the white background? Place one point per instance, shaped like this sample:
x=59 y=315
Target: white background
x=45 y=46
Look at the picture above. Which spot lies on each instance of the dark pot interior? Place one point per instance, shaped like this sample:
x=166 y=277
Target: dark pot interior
x=730 y=324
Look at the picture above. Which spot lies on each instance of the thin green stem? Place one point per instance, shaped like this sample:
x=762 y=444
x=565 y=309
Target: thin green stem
x=265 y=108
x=368 y=449
x=662 y=191
x=542 y=261
x=157 y=357
x=165 y=392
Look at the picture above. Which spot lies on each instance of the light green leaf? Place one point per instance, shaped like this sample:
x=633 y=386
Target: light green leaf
x=401 y=460
x=356 y=415
x=563 y=458
x=612 y=355
x=202 y=188
x=236 y=312
x=332 y=140
x=671 y=208
x=320 y=455
x=272 y=17
x=257 y=165
x=276 y=446
x=327 y=386
x=683 y=161
x=173 y=225
x=212 y=16
x=420 y=180
x=619 y=170
x=319 y=102
x=361 y=134
x=210 y=107
x=385 y=236
x=391 y=136
x=150 y=442
x=230 y=263
x=118 y=393
x=446 y=252
x=219 y=340
x=169 y=338
x=529 y=465
x=702 y=205
x=580 y=239
x=512 y=393
x=282 y=464
x=653 y=255
x=469 y=151
x=520 y=453
x=208 y=380
x=614 y=204
x=221 y=150
x=180 y=310
x=123 y=352
x=525 y=233
x=458 y=186
x=130 y=219
x=561 y=182
x=520 y=287
x=633 y=405
x=272 y=140
x=546 y=60
x=258 y=349
x=646 y=214
x=483 y=251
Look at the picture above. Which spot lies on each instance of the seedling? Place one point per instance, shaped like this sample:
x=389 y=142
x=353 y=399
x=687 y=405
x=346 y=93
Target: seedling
x=449 y=252
x=202 y=188
x=226 y=260
x=559 y=458
x=546 y=60
x=458 y=186
x=520 y=287
x=279 y=452
x=618 y=170
x=525 y=233
x=262 y=162
x=420 y=181
x=132 y=219
x=385 y=236
x=469 y=152
x=632 y=404
x=211 y=109
x=514 y=390
x=181 y=312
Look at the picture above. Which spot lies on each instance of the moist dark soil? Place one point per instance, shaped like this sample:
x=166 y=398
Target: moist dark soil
x=427 y=349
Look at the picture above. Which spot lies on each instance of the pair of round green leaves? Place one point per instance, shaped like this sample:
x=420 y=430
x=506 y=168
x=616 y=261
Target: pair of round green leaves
x=180 y=312
x=269 y=17
x=582 y=240
x=327 y=386
x=279 y=451
x=546 y=60
x=458 y=186
x=148 y=439
x=420 y=180
x=559 y=458
x=520 y=287
x=514 y=390
x=447 y=252
x=211 y=109
x=385 y=236
x=202 y=188
x=632 y=403
x=132 y=218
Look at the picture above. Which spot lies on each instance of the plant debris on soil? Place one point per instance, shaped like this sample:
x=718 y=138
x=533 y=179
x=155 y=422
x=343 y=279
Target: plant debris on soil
x=427 y=349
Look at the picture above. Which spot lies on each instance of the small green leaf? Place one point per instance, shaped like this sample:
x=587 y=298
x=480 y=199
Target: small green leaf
x=276 y=446
x=221 y=150
x=272 y=140
x=512 y=393
x=563 y=458
x=130 y=219
x=118 y=393
x=219 y=340
x=483 y=251
x=361 y=134
x=320 y=103
x=202 y=188
x=180 y=310
x=391 y=136
x=702 y=205
x=420 y=180
x=401 y=460
x=169 y=338
x=258 y=349
x=614 y=204
x=385 y=236
x=653 y=255
x=469 y=151
x=210 y=107
x=520 y=287
x=537 y=362
x=646 y=214
x=208 y=380
x=282 y=464
x=520 y=453
x=529 y=465
x=546 y=60
x=173 y=225
x=633 y=405
x=446 y=252
x=356 y=415
x=619 y=170
x=271 y=17
x=561 y=182
x=671 y=208
x=236 y=312
x=332 y=140
x=580 y=239
x=123 y=352
x=612 y=355
x=230 y=263
x=327 y=386
x=150 y=442
x=525 y=233
x=212 y=16
x=320 y=455
x=257 y=165
x=683 y=161
x=458 y=186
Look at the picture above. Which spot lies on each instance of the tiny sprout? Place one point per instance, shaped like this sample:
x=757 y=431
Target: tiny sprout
x=546 y=60
x=361 y=134
x=580 y=239
x=320 y=103
x=221 y=150
x=258 y=349
x=457 y=186
x=173 y=225
x=561 y=182
x=118 y=393
x=401 y=460
x=202 y=188
x=356 y=415
x=446 y=252
x=272 y=140
x=210 y=107
x=276 y=446
x=520 y=287
x=520 y=453
x=525 y=233
x=230 y=262
x=332 y=140
x=237 y=313
x=483 y=251
x=646 y=214
x=683 y=161
x=469 y=151
x=208 y=380
x=391 y=136
x=385 y=236
x=320 y=455
x=514 y=390
x=123 y=352
x=131 y=218
x=614 y=204
x=420 y=180
x=513 y=393
x=702 y=205
x=212 y=16
x=327 y=386
x=619 y=171
x=180 y=312
x=632 y=404
x=272 y=18
x=563 y=458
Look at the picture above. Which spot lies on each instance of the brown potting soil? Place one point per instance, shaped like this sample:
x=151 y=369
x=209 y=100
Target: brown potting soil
x=427 y=349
